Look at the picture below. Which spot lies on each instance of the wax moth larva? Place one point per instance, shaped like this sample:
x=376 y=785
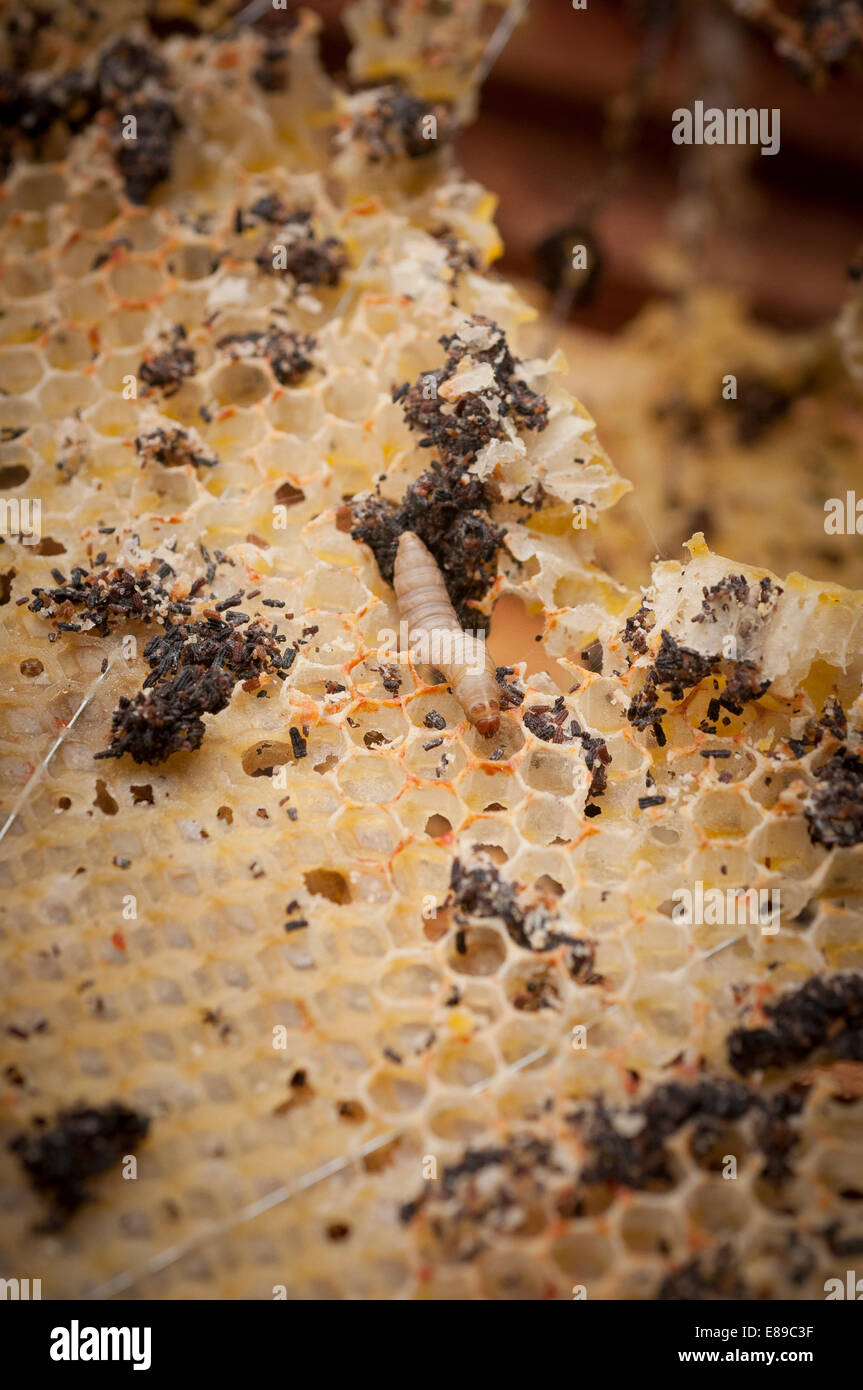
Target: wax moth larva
x=436 y=634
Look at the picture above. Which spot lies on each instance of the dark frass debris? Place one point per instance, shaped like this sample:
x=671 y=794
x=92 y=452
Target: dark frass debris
x=246 y=651
x=448 y=507
x=153 y=724
x=128 y=80
x=173 y=448
x=194 y=664
x=167 y=370
x=461 y=428
x=84 y=1141
x=103 y=597
x=832 y=722
x=490 y=1190
x=592 y=657
x=486 y=1192
x=460 y=254
x=549 y=722
x=834 y=806
x=480 y=891
x=287 y=353
x=145 y=161
x=733 y=595
x=511 y=695
x=677 y=668
x=822 y=1014
x=295 y=248
x=630 y=1147
x=637 y=625
x=390 y=678
x=450 y=515
x=711 y=1276
x=397 y=124
x=194 y=667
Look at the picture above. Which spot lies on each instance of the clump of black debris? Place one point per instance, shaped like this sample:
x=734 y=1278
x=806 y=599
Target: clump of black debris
x=486 y=1192
x=146 y=161
x=450 y=514
x=151 y=726
x=834 y=807
x=127 y=80
x=733 y=597
x=168 y=369
x=61 y=1158
x=272 y=73
x=397 y=123
x=681 y=667
x=98 y=599
x=194 y=666
x=488 y=1189
x=678 y=668
x=173 y=448
x=480 y=891
x=831 y=723
x=710 y=1276
x=635 y=630
x=288 y=353
x=448 y=507
x=552 y=723
x=294 y=245
x=461 y=255
x=822 y=1015
x=195 y=662
x=511 y=694
x=830 y=726
x=460 y=428
x=630 y=1147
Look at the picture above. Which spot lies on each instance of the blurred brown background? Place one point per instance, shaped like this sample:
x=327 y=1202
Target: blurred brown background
x=780 y=230
x=787 y=226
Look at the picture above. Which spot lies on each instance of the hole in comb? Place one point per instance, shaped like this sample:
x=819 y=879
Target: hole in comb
x=514 y=636
x=326 y=883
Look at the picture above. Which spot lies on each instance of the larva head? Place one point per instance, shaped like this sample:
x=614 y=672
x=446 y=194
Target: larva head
x=410 y=552
x=485 y=716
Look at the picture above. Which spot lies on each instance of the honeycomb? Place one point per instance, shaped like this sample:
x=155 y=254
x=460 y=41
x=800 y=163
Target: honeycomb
x=404 y=1012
